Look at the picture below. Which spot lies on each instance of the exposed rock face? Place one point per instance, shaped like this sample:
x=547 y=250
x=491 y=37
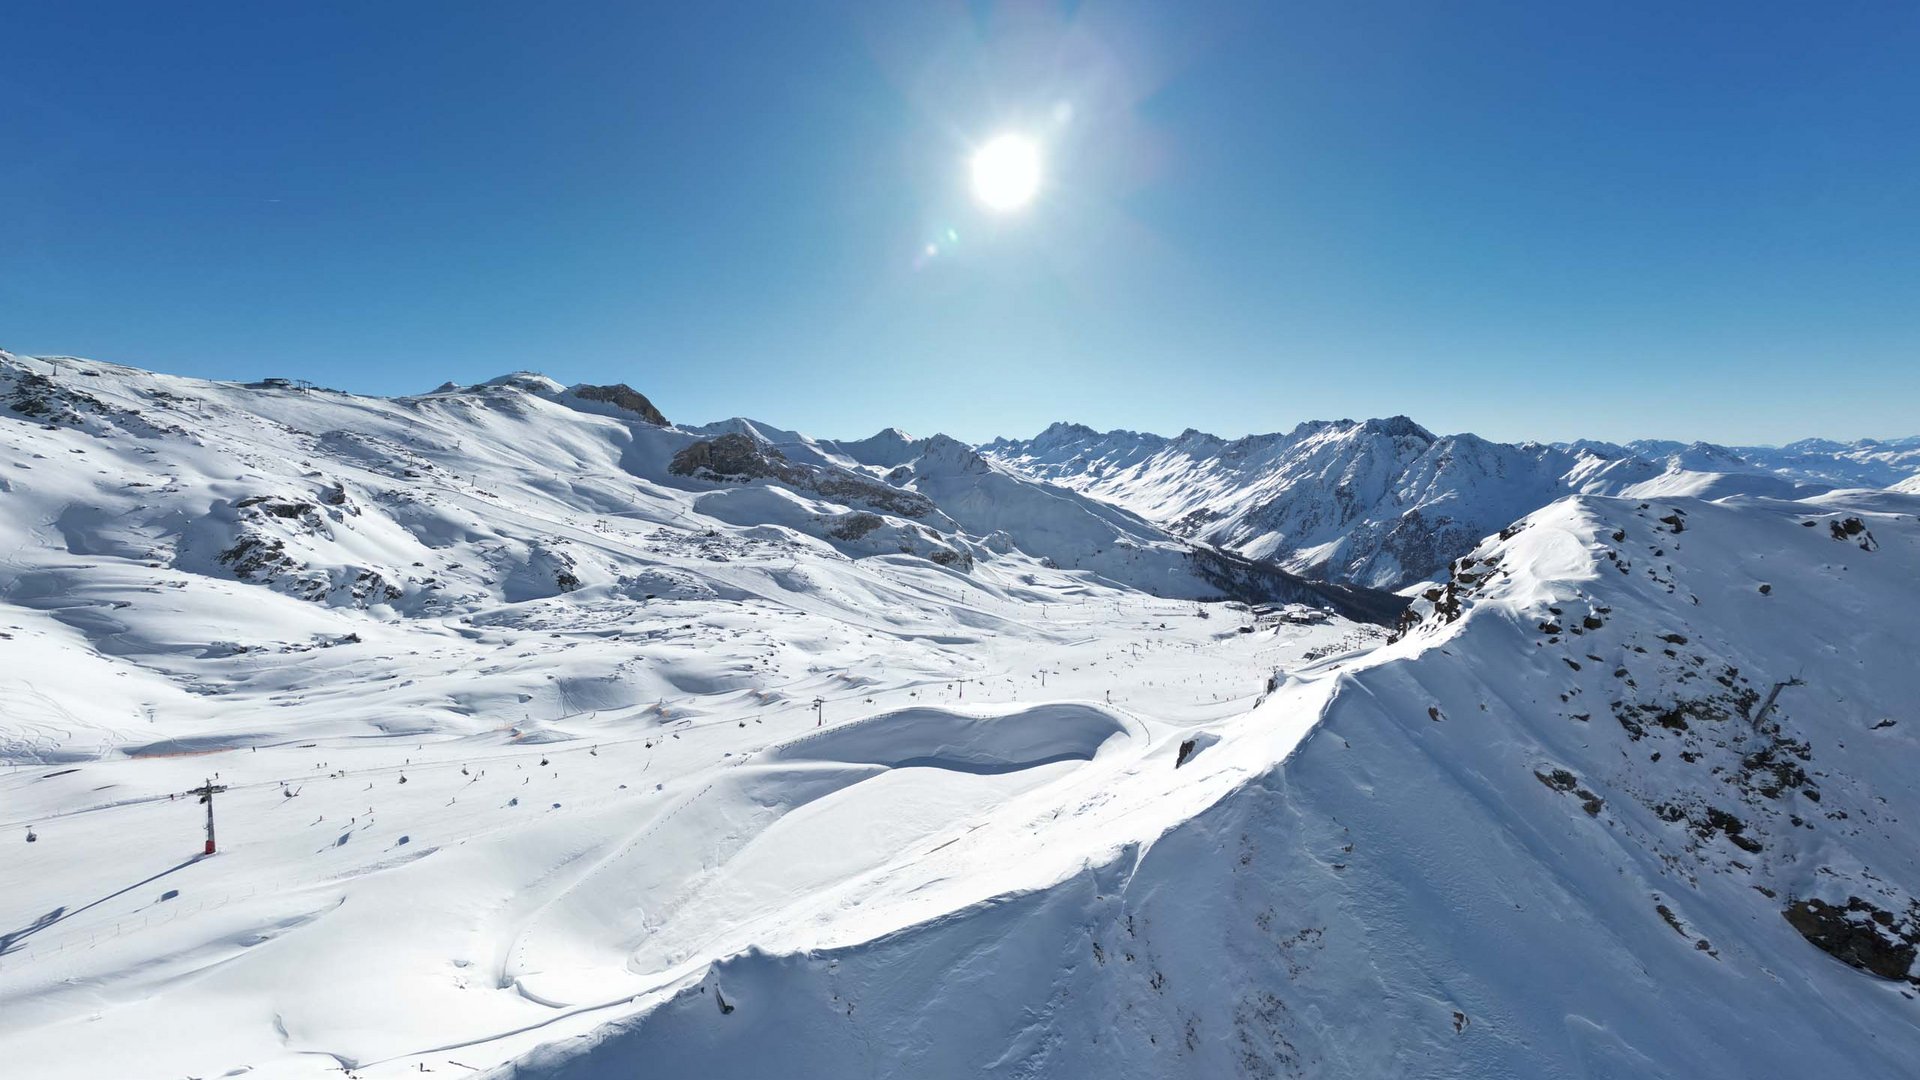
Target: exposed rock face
x=1860 y=935
x=279 y=507
x=1737 y=768
x=737 y=456
x=732 y=454
x=54 y=401
x=1567 y=784
x=861 y=533
x=953 y=558
x=625 y=397
x=855 y=525
x=260 y=553
x=36 y=397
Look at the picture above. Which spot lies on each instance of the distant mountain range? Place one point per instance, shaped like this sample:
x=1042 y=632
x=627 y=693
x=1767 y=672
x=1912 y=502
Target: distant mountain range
x=1387 y=503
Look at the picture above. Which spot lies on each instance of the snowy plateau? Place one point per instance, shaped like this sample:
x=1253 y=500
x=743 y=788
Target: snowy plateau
x=553 y=739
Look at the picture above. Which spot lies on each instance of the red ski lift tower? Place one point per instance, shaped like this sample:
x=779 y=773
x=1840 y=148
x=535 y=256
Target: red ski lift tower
x=206 y=792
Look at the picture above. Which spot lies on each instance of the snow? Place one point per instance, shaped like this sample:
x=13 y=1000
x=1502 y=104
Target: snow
x=412 y=616
x=543 y=760
x=1382 y=890
x=1386 y=503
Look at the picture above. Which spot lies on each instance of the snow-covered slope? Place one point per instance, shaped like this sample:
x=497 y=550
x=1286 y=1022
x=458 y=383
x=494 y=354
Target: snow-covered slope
x=428 y=504
x=1629 y=798
x=522 y=702
x=1386 y=503
x=559 y=741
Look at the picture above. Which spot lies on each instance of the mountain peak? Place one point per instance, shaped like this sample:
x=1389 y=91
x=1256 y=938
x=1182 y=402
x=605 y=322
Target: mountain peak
x=946 y=446
x=531 y=381
x=1398 y=427
x=1061 y=430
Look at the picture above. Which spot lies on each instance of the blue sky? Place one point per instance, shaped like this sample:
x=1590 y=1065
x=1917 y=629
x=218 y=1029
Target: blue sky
x=1541 y=220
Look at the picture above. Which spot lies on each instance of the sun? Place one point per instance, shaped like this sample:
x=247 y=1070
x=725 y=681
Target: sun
x=1006 y=172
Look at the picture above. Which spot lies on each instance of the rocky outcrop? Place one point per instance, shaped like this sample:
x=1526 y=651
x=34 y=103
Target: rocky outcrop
x=738 y=457
x=260 y=553
x=622 y=396
x=732 y=455
x=860 y=533
x=54 y=401
x=1861 y=935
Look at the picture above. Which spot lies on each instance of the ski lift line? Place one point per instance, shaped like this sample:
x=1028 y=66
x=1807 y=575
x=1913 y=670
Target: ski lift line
x=424 y=766
x=415 y=735
x=445 y=763
x=305 y=778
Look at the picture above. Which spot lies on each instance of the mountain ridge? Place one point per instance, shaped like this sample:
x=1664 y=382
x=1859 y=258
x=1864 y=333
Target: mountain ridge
x=1386 y=502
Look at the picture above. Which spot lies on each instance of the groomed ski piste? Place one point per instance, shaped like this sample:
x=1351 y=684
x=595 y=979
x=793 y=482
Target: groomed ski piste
x=616 y=771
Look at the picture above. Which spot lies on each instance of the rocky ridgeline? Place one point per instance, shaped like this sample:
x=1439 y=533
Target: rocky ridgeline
x=622 y=396
x=1720 y=770
x=736 y=457
x=1387 y=503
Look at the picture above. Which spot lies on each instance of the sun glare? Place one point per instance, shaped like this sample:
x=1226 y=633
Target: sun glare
x=1006 y=172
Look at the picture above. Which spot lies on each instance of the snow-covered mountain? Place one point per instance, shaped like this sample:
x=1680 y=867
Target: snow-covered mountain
x=1608 y=807
x=555 y=740
x=1863 y=463
x=1383 y=502
x=366 y=501
x=1387 y=503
